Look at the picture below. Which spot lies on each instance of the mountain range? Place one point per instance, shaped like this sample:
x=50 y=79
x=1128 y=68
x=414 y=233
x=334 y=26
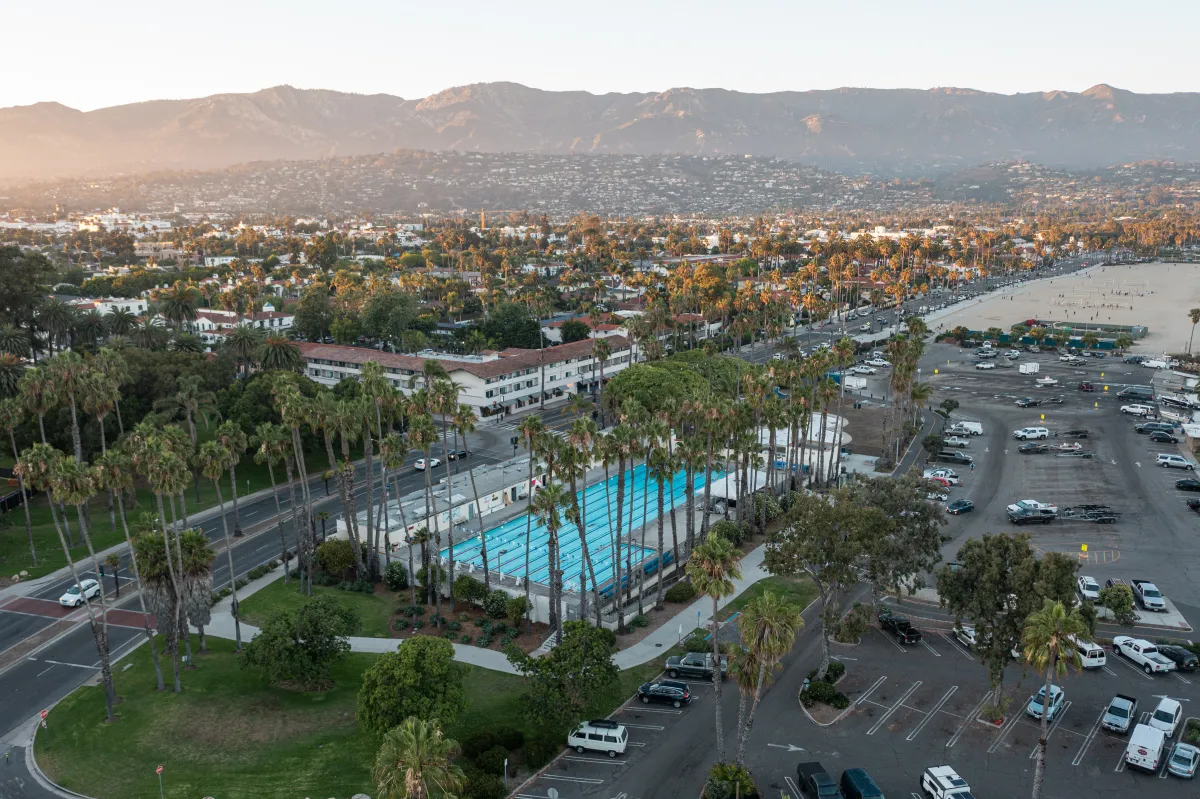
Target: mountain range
x=883 y=131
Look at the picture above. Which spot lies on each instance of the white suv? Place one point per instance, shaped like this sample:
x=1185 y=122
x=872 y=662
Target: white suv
x=1175 y=462
x=1026 y=433
x=1138 y=410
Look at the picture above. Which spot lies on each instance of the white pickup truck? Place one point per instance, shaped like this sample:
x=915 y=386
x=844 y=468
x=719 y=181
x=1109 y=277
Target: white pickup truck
x=1032 y=506
x=1148 y=596
x=1143 y=653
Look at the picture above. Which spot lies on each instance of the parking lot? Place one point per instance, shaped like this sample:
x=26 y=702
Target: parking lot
x=1155 y=534
x=918 y=706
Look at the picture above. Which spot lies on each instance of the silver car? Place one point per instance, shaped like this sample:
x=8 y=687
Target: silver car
x=1184 y=759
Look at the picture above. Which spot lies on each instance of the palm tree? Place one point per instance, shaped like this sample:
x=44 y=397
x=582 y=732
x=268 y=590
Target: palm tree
x=11 y=372
x=192 y=403
x=89 y=328
x=214 y=459
x=235 y=442
x=421 y=435
x=99 y=395
x=56 y=318
x=546 y=505
x=768 y=628
x=198 y=558
x=114 y=472
x=39 y=397
x=280 y=353
x=271 y=444
x=1047 y=644
x=113 y=365
x=243 y=343
x=712 y=567
x=178 y=305
x=663 y=467
x=186 y=342
x=14 y=341
x=1194 y=315
x=416 y=762
x=918 y=395
x=10 y=419
x=582 y=438
x=444 y=398
x=531 y=428
x=149 y=335
x=601 y=351
x=67 y=370
x=464 y=424
x=120 y=321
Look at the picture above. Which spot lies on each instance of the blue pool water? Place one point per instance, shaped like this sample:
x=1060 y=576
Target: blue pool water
x=506 y=542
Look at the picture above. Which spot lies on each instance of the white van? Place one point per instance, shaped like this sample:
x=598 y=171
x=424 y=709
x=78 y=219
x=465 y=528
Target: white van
x=1091 y=656
x=966 y=428
x=600 y=735
x=1145 y=748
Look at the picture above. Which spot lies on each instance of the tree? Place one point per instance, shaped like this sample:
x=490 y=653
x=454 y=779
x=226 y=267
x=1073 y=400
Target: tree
x=1048 y=643
x=243 y=343
x=277 y=352
x=574 y=330
x=178 y=305
x=313 y=316
x=768 y=628
x=933 y=444
x=712 y=568
x=301 y=647
x=388 y=314
x=415 y=762
x=993 y=587
x=1118 y=600
x=345 y=329
x=420 y=680
x=10 y=418
x=510 y=325
x=902 y=539
x=26 y=277
x=560 y=686
x=1194 y=315
x=822 y=537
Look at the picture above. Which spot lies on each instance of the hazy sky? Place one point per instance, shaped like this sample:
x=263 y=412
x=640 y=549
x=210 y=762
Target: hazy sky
x=89 y=54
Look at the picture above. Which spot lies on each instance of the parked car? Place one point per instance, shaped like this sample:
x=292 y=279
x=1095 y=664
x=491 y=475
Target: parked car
x=1169 y=460
x=949 y=475
x=1026 y=433
x=1166 y=716
x=952 y=456
x=1122 y=710
x=1088 y=588
x=1143 y=653
x=1014 y=354
x=600 y=735
x=1137 y=409
x=863 y=369
x=1028 y=402
x=1194 y=504
x=857 y=784
x=1159 y=437
x=1145 y=749
x=1188 y=484
x=1152 y=427
x=879 y=363
x=1072 y=434
x=1184 y=759
x=985 y=365
x=76 y=593
x=957 y=441
x=960 y=506
x=898 y=626
x=1033 y=449
x=815 y=782
x=694 y=664
x=943 y=782
x=1184 y=659
x=1039 y=705
x=670 y=692
x=1085 y=386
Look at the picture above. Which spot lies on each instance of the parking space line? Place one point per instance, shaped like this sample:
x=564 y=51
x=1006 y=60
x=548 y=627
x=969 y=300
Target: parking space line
x=1108 y=670
x=608 y=761
x=1053 y=727
x=867 y=692
x=1136 y=670
x=956 y=646
x=640 y=709
x=883 y=719
x=580 y=780
x=655 y=727
x=1091 y=736
x=1007 y=728
x=795 y=790
x=1180 y=676
x=891 y=640
x=945 y=697
x=931 y=649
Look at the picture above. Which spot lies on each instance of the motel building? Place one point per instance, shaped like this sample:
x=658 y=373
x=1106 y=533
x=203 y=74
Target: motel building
x=492 y=383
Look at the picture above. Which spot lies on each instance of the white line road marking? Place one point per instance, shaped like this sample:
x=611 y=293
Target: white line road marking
x=945 y=697
x=789 y=747
x=892 y=640
x=931 y=649
x=1007 y=728
x=655 y=727
x=1180 y=676
x=883 y=719
x=1108 y=670
x=1050 y=732
x=795 y=790
x=60 y=663
x=867 y=692
x=1121 y=659
x=956 y=646
x=608 y=761
x=1091 y=736
x=581 y=780
x=640 y=709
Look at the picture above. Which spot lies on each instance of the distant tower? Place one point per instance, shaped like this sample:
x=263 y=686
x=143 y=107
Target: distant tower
x=482 y=220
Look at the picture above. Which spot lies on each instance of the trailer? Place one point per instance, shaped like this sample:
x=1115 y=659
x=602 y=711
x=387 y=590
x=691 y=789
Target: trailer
x=1030 y=368
x=1099 y=514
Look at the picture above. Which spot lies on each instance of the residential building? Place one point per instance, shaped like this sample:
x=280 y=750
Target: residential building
x=491 y=383
x=106 y=305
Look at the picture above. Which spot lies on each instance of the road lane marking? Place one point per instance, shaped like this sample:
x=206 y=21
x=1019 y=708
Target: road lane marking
x=883 y=719
x=945 y=697
x=655 y=727
x=580 y=780
x=61 y=663
x=957 y=647
x=1122 y=659
x=867 y=692
x=969 y=719
x=1007 y=728
x=1091 y=736
x=795 y=790
x=1050 y=732
x=891 y=640
x=931 y=649
x=1180 y=676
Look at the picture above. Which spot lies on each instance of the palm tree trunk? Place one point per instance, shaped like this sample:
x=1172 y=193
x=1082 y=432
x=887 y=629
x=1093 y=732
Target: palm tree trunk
x=449 y=513
x=617 y=604
x=1039 y=759
x=370 y=550
x=181 y=607
x=434 y=573
x=689 y=504
x=141 y=596
x=233 y=605
x=25 y=501
x=279 y=523
x=744 y=730
x=528 y=539
x=707 y=487
x=173 y=637
x=716 y=679
x=642 y=553
x=100 y=633
x=487 y=573
x=659 y=592
x=112 y=513
x=237 y=521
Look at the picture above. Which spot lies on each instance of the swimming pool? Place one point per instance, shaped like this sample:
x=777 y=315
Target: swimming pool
x=506 y=542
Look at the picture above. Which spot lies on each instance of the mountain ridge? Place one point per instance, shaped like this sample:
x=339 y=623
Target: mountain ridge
x=855 y=129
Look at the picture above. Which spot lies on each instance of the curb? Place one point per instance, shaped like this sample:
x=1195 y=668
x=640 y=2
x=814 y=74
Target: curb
x=38 y=775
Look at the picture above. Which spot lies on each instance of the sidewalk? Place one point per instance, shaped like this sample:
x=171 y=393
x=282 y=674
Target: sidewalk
x=649 y=648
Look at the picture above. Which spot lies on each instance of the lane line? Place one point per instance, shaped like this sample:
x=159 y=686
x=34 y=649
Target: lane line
x=1050 y=732
x=931 y=649
x=1007 y=728
x=867 y=692
x=1087 y=742
x=883 y=719
x=969 y=719
x=957 y=647
x=945 y=697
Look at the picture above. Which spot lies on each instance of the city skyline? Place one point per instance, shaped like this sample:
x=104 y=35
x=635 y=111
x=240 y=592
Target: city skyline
x=625 y=47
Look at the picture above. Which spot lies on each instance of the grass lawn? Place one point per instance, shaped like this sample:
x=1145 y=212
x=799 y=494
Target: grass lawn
x=375 y=610
x=229 y=735
x=796 y=590
x=14 y=545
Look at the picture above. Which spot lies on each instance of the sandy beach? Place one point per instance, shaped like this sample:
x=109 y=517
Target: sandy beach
x=1156 y=295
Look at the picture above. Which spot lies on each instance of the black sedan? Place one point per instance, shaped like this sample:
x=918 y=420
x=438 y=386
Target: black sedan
x=1194 y=504
x=456 y=455
x=960 y=506
x=671 y=692
x=1185 y=659
x=1033 y=448
x=1188 y=484
x=1028 y=402
x=1163 y=437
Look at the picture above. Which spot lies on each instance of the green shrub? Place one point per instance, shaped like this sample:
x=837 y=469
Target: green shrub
x=464 y=617
x=271 y=564
x=483 y=641
x=825 y=693
x=335 y=557
x=639 y=621
x=854 y=625
x=1191 y=733
x=731 y=531
x=321 y=578
x=514 y=609
x=539 y=751
x=492 y=761
x=464 y=639
x=467 y=589
x=423 y=574
x=509 y=737
x=417 y=624
x=495 y=604
x=772 y=506
x=835 y=671
x=453 y=626
x=481 y=785
x=681 y=592
x=240 y=583
x=696 y=643
x=357 y=586
x=413 y=610
x=395 y=576
x=729 y=780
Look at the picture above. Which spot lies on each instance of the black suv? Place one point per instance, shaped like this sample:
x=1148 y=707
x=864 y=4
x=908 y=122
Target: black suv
x=1163 y=437
x=669 y=692
x=1185 y=659
x=899 y=626
x=1028 y=402
x=1033 y=448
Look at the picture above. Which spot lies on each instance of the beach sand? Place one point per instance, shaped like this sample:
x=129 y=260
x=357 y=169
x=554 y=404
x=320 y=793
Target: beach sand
x=1155 y=295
